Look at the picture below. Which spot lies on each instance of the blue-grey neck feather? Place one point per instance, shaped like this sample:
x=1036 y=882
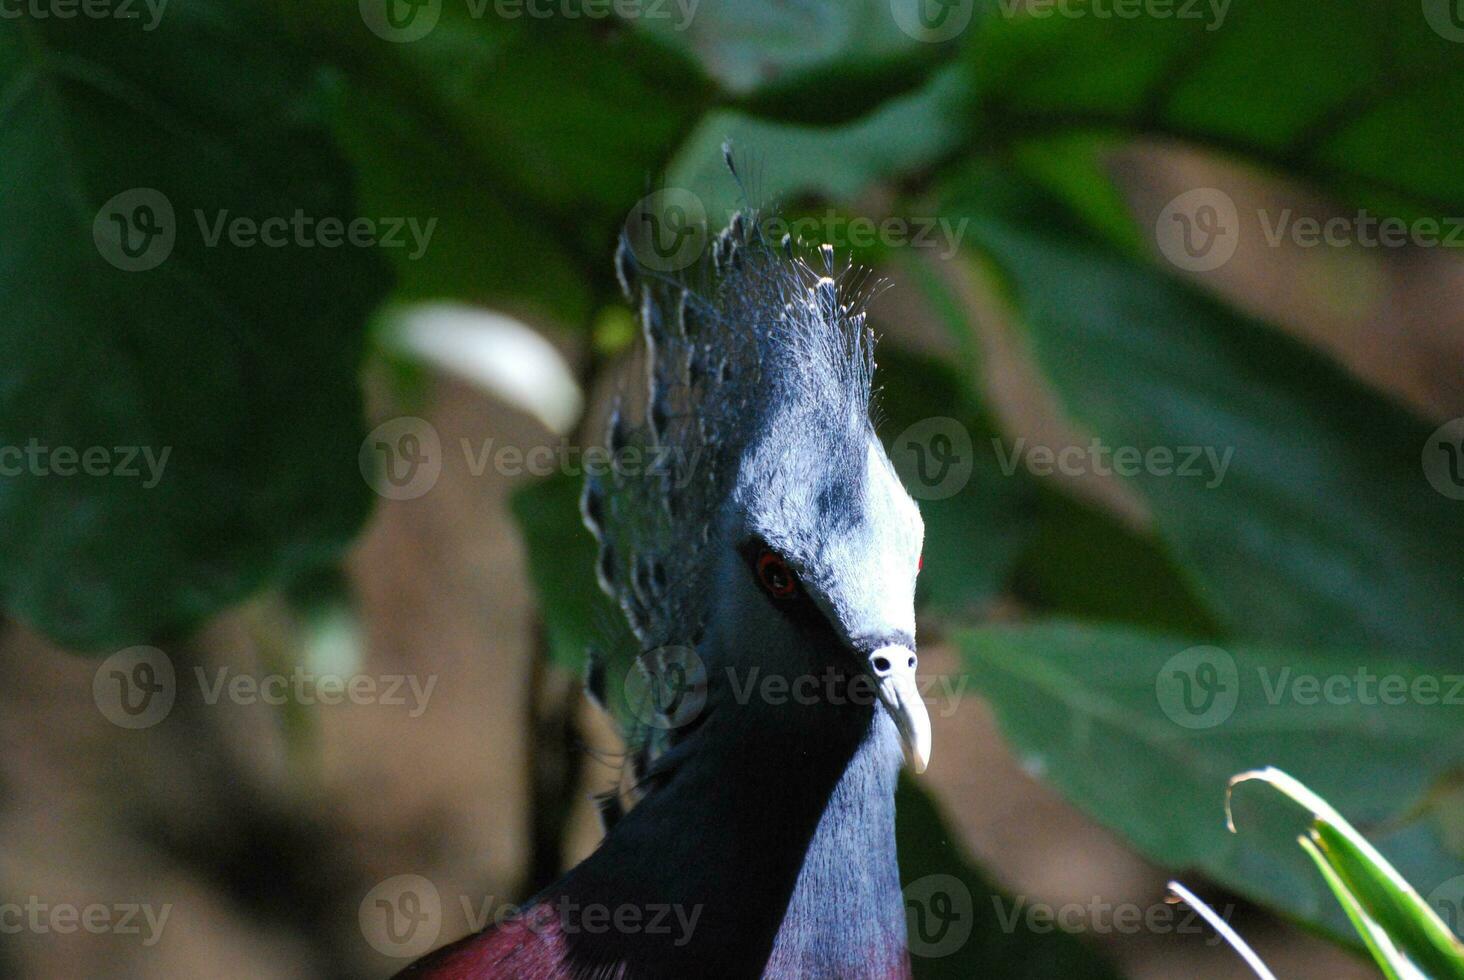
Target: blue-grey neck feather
x=846 y=916
x=779 y=848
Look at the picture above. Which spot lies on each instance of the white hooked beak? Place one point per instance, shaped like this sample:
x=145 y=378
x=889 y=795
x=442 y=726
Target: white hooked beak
x=893 y=670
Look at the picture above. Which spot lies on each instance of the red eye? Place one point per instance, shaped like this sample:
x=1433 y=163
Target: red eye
x=775 y=575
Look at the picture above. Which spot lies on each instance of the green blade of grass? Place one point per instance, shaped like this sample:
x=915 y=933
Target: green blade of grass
x=1404 y=934
x=1389 y=960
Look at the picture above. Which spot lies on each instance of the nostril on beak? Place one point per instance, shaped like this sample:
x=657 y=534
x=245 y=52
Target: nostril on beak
x=898 y=691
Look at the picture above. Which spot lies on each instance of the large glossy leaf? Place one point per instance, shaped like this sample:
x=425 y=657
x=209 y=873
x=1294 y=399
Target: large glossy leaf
x=836 y=162
x=562 y=565
x=1082 y=563
x=974 y=534
x=1308 y=519
x=818 y=62
x=127 y=328
x=1101 y=713
x=1259 y=80
x=528 y=140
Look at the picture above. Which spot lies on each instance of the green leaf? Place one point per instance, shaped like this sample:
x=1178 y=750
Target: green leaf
x=1407 y=929
x=1307 y=519
x=529 y=141
x=237 y=361
x=1252 y=79
x=822 y=62
x=1082 y=563
x=561 y=553
x=973 y=536
x=1143 y=730
x=835 y=162
x=934 y=870
x=1373 y=937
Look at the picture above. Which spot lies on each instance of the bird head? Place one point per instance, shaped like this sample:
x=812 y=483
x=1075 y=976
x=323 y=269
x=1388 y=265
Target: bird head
x=819 y=550
x=777 y=534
